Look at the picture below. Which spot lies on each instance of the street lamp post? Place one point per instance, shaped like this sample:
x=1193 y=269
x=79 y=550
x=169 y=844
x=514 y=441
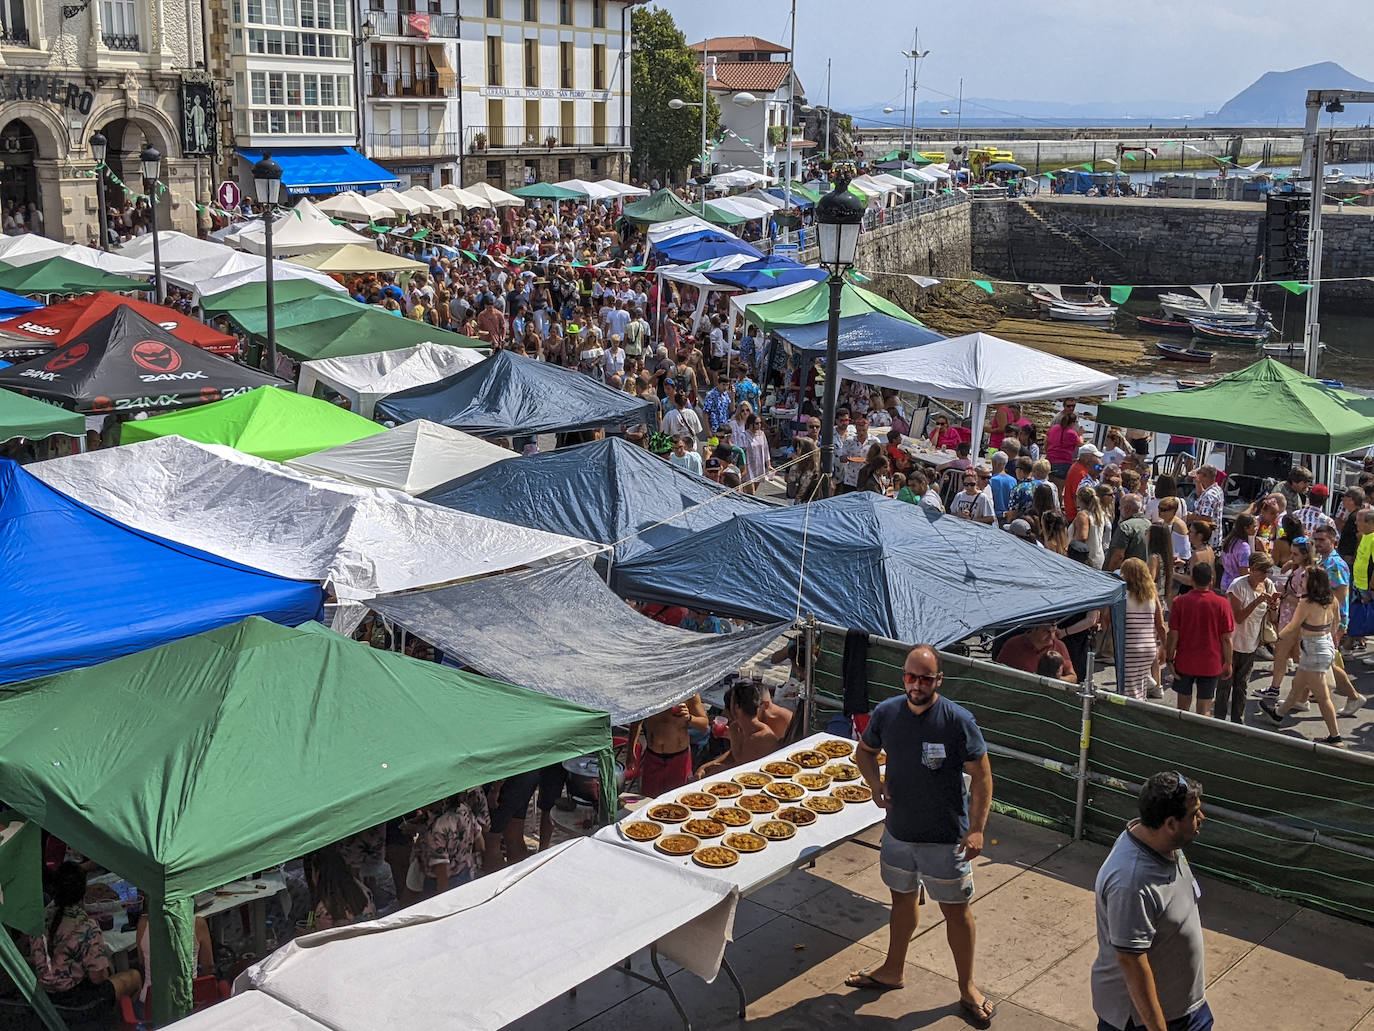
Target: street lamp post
x=838 y=215
x=100 y=149
x=267 y=183
x=150 y=162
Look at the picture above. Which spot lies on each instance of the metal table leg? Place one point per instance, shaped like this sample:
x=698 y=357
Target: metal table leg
x=667 y=987
x=739 y=988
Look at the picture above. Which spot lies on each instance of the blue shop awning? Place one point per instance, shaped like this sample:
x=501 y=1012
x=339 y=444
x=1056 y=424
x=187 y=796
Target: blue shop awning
x=325 y=170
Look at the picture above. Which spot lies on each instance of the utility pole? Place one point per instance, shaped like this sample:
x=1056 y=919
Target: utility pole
x=791 y=106
x=827 y=108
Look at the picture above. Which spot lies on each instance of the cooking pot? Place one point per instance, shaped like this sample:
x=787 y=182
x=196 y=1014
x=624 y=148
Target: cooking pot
x=584 y=778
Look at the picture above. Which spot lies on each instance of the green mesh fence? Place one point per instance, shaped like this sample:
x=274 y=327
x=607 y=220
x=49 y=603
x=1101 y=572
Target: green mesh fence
x=1279 y=816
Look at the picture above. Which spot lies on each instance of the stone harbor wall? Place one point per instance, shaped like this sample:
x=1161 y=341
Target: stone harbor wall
x=1067 y=240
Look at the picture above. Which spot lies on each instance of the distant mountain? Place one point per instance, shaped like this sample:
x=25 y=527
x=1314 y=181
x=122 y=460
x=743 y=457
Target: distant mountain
x=1276 y=98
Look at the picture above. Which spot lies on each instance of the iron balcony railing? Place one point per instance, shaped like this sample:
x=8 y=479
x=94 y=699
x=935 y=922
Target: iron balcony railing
x=408 y=84
x=413 y=144
x=390 y=23
x=548 y=137
x=119 y=41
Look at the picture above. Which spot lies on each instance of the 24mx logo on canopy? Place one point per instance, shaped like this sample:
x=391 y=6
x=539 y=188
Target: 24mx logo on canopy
x=161 y=360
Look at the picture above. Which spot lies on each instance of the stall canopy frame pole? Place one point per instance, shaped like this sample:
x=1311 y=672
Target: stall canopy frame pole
x=1084 y=739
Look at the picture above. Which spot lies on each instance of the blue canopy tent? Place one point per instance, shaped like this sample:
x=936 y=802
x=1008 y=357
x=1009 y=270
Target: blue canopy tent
x=792 y=200
x=77 y=588
x=603 y=491
x=1005 y=166
x=859 y=335
x=1075 y=182
x=767 y=273
x=509 y=395
x=702 y=245
x=893 y=569
x=13 y=304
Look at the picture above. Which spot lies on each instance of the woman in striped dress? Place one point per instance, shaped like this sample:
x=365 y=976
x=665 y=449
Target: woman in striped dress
x=1144 y=626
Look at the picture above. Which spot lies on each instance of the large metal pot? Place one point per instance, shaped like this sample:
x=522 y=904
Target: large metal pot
x=584 y=778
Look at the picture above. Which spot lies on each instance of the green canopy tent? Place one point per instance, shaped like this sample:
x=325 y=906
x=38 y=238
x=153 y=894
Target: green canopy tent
x=1265 y=405
x=336 y=327
x=663 y=206
x=186 y=766
x=58 y=275
x=251 y=296
x=268 y=422
x=812 y=305
x=548 y=191
x=22 y=416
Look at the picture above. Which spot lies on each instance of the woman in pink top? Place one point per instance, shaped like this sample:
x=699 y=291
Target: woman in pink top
x=1062 y=443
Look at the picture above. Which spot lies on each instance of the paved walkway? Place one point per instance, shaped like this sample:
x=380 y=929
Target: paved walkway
x=1270 y=964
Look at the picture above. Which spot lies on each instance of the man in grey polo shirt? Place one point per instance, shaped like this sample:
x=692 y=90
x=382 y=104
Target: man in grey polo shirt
x=1149 y=974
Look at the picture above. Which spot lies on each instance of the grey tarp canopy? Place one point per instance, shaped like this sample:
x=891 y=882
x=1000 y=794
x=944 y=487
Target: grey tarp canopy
x=591 y=648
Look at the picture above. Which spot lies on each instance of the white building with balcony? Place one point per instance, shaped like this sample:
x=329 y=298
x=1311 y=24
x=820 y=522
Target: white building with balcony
x=545 y=90
x=411 y=115
x=756 y=135
x=294 y=68
x=132 y=69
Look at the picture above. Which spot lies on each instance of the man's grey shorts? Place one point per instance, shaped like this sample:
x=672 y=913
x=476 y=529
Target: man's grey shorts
x=947 y=877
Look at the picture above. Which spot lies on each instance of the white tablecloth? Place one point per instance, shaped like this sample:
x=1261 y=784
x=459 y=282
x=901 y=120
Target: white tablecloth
x=756 y=869
x=237 y=893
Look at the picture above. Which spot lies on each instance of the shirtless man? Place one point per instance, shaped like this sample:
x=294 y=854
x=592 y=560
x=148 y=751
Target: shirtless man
x=750 y=737
x=667 y=759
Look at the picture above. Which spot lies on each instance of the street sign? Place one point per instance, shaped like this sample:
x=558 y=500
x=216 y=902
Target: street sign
x=228 y=194
x=786 y=250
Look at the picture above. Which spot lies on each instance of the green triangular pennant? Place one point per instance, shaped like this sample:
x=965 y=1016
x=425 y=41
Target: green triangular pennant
x=1121 y=294
x=297 y=212
x=470 y=256
x=1086 y=166
x=1128 y=156
x=859 y=277
x=635 y=268
x=517 y=261
x=772 y=273
x=421 y=234
x=1294 y=287
x=983 y=284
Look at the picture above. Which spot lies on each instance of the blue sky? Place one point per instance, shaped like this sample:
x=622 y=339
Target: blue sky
x=1201 y=51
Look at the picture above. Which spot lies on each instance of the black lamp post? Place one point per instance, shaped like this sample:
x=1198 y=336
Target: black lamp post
x=838 y=215
x=100 y=148
x=151 y=162
x=267 y=182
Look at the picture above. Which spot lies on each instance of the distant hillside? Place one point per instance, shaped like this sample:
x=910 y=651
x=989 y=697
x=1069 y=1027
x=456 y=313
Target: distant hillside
x=1276 y=98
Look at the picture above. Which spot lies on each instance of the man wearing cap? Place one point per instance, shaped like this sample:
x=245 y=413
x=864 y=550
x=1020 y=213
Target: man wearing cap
x=1022 y=529
x=1081 y=473
x=1312 y=514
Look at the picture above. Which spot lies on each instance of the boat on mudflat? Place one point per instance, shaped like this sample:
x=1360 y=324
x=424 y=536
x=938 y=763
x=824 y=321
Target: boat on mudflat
x=1291 y=350
x=1223 y=333
x=1192 y=384
x=1158 y=325
x=1184 y=354
x=1081 y=313
x=1238 y=313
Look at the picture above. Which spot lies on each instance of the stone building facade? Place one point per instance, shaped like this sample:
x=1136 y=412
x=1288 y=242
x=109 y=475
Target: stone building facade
x=123 y=67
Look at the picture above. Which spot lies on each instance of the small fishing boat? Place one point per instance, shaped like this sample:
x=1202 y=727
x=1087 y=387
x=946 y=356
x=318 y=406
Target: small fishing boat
x=1291 y=350
x=1192 y=384
x=1224 y=333
x=1156 y=324
x=1081 y=313
x=1184 y=354
x=1237 y=313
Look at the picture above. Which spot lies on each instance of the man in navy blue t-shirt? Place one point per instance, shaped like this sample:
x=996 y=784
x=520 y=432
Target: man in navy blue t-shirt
x=933 y=832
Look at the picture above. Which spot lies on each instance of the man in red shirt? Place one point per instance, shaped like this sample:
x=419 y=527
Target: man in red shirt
x=1082 y=470
x=1199 y=642
x=1024 y=651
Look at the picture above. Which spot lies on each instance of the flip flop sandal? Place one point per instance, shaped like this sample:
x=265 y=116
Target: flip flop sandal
x=863 y=979
x=980 y=1016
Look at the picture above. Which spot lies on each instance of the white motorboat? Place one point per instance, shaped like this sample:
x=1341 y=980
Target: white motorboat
x=1237 y=313
x=1081 y=313
x=1290 y=350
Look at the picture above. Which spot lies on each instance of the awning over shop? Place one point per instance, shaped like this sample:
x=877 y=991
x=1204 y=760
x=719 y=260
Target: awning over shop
x=591 y=647
x=910 y=574
x=510 y=395
x=363 y=541
x=1265 y=405
x=609 y=491
x=77 y=587
x=325 y=169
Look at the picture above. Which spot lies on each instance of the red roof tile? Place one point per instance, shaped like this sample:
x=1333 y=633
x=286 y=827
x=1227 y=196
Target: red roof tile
x=764 y=76
x=733 y=44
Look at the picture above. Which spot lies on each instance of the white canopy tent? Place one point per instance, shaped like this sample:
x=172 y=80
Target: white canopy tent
x=623 y=189
x=742 y=300
x=739 y=177
x=362 y=540
x=366 y=378
x=493 y=196
x=16 y=250
x=765 y=198
x=434 y=202
x=173 y=248
x=399 y=203
x=743 y=207
x=980 y=370
x=462 y=197
x=520 y=938
x=410 y=458
x=299 y=230
x=107 y=261
x=592 y=191
x=352 y=206
x=252 y=273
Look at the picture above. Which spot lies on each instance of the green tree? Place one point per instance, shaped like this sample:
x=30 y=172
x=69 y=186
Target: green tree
x=663 y=68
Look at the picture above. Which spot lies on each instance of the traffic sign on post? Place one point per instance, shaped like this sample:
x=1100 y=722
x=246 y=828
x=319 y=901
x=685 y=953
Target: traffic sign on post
x=228 y=194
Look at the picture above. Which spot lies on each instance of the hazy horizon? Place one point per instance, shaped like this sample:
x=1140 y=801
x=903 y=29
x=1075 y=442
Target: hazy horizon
x=1189 y=59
